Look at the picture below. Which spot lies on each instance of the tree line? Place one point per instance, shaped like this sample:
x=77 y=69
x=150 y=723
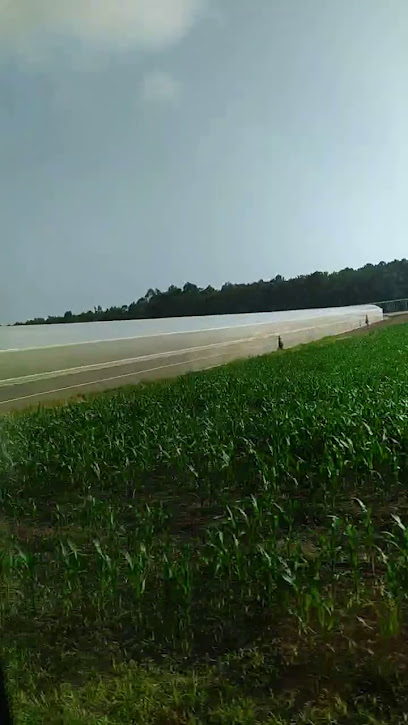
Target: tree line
x=371 y=283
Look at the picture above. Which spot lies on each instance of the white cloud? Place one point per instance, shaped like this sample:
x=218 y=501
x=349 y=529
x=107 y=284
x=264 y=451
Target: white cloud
x=147 y=24
x=160 y=86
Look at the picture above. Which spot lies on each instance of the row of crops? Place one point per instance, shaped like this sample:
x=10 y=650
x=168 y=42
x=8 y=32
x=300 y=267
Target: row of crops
x=259 y=507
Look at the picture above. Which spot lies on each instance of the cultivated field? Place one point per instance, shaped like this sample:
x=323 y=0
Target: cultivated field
x=227 y=548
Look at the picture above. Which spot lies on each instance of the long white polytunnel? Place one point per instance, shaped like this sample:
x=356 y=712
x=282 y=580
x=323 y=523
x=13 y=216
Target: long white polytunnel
x=40 y=363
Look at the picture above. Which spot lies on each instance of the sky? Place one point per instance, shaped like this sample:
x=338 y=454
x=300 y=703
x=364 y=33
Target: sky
x=145 y=143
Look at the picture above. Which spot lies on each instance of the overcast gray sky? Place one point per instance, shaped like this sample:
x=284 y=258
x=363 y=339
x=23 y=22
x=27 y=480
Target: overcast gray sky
x=150 y=142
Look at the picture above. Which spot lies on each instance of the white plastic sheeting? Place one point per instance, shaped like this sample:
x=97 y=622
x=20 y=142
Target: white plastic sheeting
x=58 y=371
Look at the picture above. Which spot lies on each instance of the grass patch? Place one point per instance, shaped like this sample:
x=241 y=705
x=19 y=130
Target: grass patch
x=228 y=547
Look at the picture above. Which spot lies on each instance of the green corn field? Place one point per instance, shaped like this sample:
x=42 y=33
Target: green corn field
x=228 y=547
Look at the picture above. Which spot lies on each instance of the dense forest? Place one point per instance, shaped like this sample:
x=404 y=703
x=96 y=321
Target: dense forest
x=371 y=283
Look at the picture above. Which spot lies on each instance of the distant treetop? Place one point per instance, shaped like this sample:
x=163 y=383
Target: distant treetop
x=373 y=282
